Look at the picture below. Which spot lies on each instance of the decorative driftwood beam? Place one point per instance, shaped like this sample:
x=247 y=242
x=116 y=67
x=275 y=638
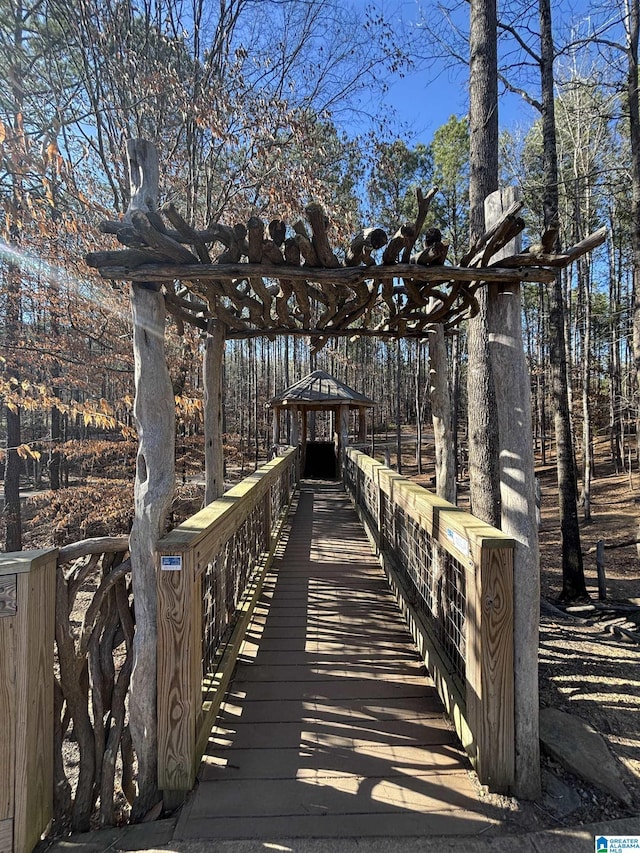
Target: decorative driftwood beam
x=271 y=253
x=318 y=221
x=127 y=257
x=325 y=335
x=476 y=252
x=359 y=252
x=435 y=250
x=161 y=242
x=277 y=231
x=307 y=251
x=297 y=285
x=402 y=239
x=98 y=545
x=424 y=202
x=527 y=271
x=558 y=260
x=255 y=232
x=186 y=233
x=186 y=304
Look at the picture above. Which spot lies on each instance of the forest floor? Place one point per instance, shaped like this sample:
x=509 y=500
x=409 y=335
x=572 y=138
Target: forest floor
x=588 y=666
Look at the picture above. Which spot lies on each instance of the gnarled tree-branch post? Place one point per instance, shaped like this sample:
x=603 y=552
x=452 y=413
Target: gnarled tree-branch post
x=154 y=413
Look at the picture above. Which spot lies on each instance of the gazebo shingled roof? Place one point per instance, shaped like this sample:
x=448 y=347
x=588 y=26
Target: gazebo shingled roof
x=320 y=389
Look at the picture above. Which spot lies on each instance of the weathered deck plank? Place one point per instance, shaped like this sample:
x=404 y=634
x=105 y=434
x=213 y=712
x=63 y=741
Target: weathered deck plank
x=331 y=726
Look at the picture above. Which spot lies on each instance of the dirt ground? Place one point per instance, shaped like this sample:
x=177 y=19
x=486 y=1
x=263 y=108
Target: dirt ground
x=589 y=666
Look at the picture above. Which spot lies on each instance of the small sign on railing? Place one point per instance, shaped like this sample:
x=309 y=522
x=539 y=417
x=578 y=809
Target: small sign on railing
x=458 y=541
x=171 y=562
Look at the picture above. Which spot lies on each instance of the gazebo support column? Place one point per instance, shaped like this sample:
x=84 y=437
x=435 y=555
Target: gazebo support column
x=343 y=435
x=517 y=493
x=303 y=451
x=212 y=380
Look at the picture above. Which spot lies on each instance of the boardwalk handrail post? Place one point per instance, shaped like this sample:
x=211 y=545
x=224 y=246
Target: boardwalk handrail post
x=179 y=675
x=489 y=673
x=202 y=618
x=452 y=576
x=27 y=629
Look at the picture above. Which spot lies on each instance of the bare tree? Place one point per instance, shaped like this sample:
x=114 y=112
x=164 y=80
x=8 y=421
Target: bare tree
x=483 y=165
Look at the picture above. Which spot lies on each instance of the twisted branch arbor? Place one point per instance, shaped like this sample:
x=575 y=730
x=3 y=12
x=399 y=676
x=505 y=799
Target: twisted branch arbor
x=266 y=283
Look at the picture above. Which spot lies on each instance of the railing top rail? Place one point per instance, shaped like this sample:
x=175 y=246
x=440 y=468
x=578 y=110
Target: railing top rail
x=17 y=562
x=220 y=513
x=451 y=524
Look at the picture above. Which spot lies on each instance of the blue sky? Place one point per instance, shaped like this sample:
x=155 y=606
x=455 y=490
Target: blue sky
x=424 y=100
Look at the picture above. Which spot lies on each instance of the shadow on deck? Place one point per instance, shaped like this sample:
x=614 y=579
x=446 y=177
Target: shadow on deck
x=331 y=726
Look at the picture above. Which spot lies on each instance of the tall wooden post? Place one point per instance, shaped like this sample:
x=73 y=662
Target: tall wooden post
x=27 y=627
x=343 y=435
x=518 y=503
x=212 y=380
x=154 y=413
x=303 y=451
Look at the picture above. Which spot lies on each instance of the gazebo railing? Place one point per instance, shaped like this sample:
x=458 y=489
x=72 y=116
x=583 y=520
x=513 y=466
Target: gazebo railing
x=453 y=578
x=211 y=572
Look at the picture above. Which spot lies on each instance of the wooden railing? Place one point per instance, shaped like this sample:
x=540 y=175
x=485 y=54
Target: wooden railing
x=27 y=596
x=211 y=572
x=453 y=578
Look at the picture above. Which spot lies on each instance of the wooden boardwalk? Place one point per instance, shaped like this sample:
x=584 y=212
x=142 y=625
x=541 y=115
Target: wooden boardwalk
x=331 y=727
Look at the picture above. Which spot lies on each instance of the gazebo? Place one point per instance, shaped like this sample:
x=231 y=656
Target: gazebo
x=318 y=391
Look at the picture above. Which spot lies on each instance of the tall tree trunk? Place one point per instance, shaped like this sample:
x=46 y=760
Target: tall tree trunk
x=633 y=34
x=418 y=398
x=56 y=433
x=483 y=161
x=12 y=511
x=212 y=380
x=615 y=373
x=399 y=407
x=573 y=581
x=584 y=274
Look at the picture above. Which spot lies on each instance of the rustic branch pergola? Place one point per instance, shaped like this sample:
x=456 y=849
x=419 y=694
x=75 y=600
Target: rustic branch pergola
x=271 y=280
x=297 y=285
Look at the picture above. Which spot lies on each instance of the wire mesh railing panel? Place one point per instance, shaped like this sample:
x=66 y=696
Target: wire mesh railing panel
x=227 y=575
x=436 y=583
x=434 y=579
x=224 y=581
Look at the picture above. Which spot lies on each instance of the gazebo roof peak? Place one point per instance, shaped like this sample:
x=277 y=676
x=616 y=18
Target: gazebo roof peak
x=317 y=388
